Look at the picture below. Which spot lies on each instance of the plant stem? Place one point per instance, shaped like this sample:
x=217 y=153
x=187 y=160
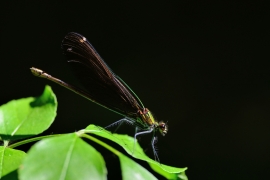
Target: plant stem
x=31 y=140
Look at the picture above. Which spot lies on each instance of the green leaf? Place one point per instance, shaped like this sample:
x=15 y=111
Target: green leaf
x=65 y=157
x=168 y=175
x=132 y=170
x=27 y=116
x=127 y=143
x=10 y=161
x=182 y=176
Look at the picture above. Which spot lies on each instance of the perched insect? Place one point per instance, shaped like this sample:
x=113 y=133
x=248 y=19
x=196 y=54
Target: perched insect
x=105 y=88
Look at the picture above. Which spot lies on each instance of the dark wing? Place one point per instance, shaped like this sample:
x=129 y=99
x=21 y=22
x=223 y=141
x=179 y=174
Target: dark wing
x=101 y=84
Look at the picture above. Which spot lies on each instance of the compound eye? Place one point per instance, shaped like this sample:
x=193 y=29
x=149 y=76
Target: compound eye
x=162 y=126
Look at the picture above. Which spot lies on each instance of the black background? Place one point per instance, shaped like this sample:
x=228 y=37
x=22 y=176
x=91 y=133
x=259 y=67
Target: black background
x=203 y=66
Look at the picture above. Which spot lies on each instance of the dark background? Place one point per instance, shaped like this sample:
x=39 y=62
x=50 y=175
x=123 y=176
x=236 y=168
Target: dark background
x=202 y=66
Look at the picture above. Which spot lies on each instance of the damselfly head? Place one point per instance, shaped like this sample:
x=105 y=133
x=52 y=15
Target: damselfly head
x=163 y=128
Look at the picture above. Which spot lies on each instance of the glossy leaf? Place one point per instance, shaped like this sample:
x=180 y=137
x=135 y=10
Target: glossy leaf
x=133 y=170
x=10 y=160
x=127 y=143
x=65 y=157
x=129 y=168
x=27 y=116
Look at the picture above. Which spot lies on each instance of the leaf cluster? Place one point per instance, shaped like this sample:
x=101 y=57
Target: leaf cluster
x=63 y=156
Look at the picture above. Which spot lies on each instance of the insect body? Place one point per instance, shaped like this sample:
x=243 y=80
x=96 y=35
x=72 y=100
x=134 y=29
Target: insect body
x=104 y=87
